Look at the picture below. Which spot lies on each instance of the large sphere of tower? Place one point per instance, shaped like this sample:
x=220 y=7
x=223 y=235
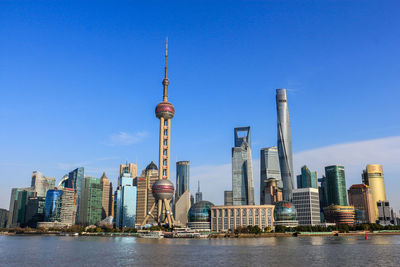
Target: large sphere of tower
x=165 y=110
x=163 y=189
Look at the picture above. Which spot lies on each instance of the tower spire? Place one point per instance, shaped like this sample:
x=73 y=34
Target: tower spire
x=166 y=81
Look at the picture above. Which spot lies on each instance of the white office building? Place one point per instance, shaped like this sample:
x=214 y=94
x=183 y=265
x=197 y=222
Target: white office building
x=306 y=202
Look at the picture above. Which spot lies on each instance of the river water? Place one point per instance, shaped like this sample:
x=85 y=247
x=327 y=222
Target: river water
x=130 y=251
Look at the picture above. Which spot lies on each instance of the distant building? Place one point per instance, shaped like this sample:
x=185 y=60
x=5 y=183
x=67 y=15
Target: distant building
x=52 y=206
x=272 y=193
x=41 y=183
x=90 y=206
x=361 y=198
x=285 y=214
x=228 y=195
x=199 y=216
x=339 y=214
x=18 y=202
x=384 y=213
x=242 y=170
x=107 y=196
x=224 y=218
x=3 y=218
x=182 y=178
x=336 y=185
x=307 y=178
x=130 y=167
x=270 y=169
x=374 y=178
x=74 y=181
x=284 y=143
x=199 y=194
x=34 y=212
x=126 y=201
x=145 y=198
x=306 y=201
x=183 y=198
x=63 y=183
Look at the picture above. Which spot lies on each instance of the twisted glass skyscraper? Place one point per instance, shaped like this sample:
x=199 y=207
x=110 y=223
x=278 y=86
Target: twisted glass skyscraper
x=284 y=144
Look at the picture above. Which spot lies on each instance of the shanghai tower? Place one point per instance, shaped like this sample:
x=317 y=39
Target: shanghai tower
x=284 y=143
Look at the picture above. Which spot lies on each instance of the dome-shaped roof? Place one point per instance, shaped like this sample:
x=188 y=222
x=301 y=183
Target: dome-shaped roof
x=200 y=212
x=285 y=211
x=151 y=166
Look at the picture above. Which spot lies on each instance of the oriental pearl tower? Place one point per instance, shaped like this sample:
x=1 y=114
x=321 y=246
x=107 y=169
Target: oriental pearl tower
x=163 y=189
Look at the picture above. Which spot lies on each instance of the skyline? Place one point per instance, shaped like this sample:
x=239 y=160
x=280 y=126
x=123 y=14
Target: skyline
x=70 y=105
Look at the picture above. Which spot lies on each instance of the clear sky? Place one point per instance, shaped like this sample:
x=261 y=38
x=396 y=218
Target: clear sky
x=79 y=82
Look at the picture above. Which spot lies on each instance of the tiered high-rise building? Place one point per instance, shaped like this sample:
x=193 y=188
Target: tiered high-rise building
x=284 y=143
x=242 y=170
x=374 y=178
x=199 y=194
x=163 y=189
x=270 y=169
x=128 y=167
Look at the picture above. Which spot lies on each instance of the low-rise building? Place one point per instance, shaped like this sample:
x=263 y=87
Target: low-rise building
x=224 y=218
x=339 y=214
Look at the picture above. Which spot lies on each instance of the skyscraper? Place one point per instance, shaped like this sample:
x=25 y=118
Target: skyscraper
x=284 y=143
x=126 y=197
x=242 y=170
x=182 y=194
x=18 y=202
x=361 y=198
x=41 y=183
x=336 y=185
x=52 y=206
x=269 y=167
x=90 y=206
x=34 y=212
x=307 y=179
x=107 y=196
x=145 y=199
x=199 y=194
x=163 y=189
x=75 y=181
x=130 y=167
x=182 y=178
x=373 y=177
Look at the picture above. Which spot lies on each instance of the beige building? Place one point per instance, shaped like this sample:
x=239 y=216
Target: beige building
x=373 y=177
x=182 y=207
x=361 y=198
x=224 y=218
x=145 y=199
x=68 y=206
x=131 y=167
x=107 y=196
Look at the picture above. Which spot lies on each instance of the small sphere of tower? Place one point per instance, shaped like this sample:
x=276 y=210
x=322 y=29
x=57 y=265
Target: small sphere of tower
x=163 y=189
x=165 y=110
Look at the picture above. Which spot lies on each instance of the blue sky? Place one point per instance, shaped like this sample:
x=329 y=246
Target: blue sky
x=79 y=82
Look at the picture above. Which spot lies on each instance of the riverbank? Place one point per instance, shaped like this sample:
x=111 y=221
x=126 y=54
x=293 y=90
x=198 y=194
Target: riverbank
x=300 y=234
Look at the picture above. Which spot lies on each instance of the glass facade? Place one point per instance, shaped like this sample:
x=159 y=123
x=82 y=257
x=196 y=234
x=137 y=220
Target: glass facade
x=269 y=168
x=90 y=205
x=126 y=201
x=285 y=211
x=242 y=170
x=284 y=143
x=200 y=212
x=34 y=211
x=18 y=203
x=307 y=179
x=182 y=178
x=336 y=185
x=75 y=181
x=52 y=205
